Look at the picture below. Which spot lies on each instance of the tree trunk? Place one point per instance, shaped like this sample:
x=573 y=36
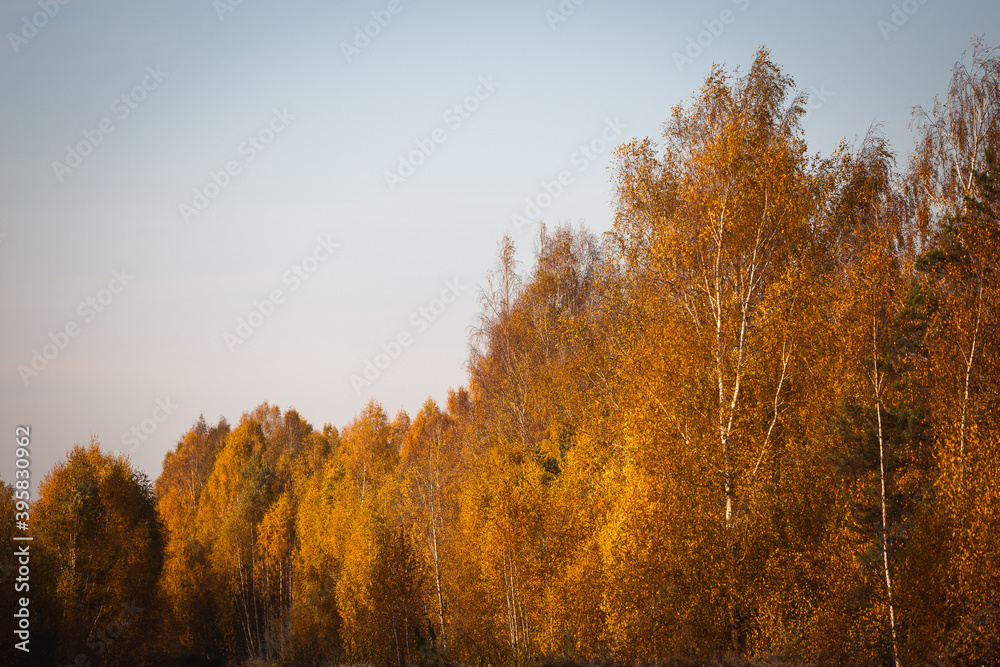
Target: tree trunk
x=437 y=581
x=877 y=386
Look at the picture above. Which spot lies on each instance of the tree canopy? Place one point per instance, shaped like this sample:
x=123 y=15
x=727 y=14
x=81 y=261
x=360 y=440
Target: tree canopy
x=758 y=418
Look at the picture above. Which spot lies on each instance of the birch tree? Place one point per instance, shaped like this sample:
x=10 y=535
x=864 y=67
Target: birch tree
x=431 y=462
x=718 y=223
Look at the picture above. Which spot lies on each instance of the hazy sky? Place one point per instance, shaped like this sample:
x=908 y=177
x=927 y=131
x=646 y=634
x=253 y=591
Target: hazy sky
x=170 y=168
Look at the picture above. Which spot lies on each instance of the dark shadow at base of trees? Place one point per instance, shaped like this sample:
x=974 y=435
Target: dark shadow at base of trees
x=725 y=660
x=177 y=661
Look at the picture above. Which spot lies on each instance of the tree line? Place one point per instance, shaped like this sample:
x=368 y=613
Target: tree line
x=757 y=418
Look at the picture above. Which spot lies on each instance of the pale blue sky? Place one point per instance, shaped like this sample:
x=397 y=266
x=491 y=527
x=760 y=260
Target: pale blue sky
x=323 y=176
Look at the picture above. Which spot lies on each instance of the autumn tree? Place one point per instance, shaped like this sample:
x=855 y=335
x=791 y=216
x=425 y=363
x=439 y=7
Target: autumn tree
x=881 y=431
x=499 y=361
x=96 y=529
x=184 y=600
x=233 y=503
x=323 y=520
x=953 y=184
x=431 y=464
x=379 y=584
x=713 y=227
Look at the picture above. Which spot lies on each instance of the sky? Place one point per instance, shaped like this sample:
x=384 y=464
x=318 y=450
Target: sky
x=207 y=205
